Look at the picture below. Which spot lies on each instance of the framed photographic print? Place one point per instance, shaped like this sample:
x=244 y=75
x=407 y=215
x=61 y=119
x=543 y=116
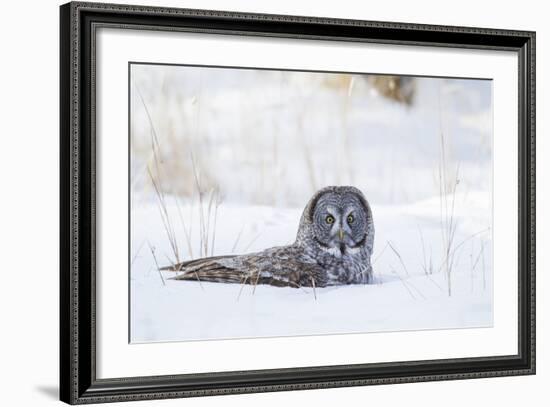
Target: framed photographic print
x=256 y=203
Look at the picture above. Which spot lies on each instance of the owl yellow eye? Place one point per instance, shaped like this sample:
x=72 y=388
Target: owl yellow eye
x=329 y=219
x=350 y=219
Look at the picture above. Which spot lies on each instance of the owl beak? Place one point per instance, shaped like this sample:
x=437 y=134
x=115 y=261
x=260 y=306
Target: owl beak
x=341 y=234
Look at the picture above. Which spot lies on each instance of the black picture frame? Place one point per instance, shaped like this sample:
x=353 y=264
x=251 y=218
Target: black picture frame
x=78 y=382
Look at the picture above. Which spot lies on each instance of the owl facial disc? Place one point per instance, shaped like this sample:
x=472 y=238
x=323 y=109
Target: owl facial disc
x=340 y=220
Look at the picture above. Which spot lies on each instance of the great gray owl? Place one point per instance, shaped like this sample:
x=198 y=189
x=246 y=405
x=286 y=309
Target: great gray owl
x=333 y=247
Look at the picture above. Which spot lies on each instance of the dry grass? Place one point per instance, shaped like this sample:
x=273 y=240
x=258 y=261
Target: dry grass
x=474 y=263
x=399 y=257
x=208 y=211
x=410 y=287
x=156 y=262
x=448 y=180
x=426 y=266
x=156 y=182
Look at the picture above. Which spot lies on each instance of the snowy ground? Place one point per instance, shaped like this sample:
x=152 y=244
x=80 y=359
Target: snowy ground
x=409 y=294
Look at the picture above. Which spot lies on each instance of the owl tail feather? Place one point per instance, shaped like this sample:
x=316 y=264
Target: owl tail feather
x=211 y=269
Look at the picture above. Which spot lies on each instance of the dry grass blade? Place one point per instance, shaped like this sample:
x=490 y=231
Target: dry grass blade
x=424 y=259
x=434 y=282
x=256 y=282
x=252 y=242
x=314 y=290
x=313 y=285
x=156 y=262
x=459 y=245
x=217 y=205
x=478 y=256
x=403 y=282
x=185 y=230
x=380 y=254
x=207 y=227
x=408 y=283
x=483 y=265
x=165 y=218
x=201 y=208
x=199 y=280
x=149 y=117
x=399 y=257
x=243 y=283
x=294 y=285
x=137 y=253
x=237 y=240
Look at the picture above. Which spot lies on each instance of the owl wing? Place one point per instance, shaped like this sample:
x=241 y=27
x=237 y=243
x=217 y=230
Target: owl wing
x=216 y=269
x=281 y=266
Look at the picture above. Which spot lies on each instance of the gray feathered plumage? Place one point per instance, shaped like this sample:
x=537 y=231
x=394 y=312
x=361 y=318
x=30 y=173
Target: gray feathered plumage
x=333 y=247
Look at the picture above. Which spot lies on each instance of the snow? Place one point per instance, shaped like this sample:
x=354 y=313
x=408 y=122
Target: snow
x=402 y=298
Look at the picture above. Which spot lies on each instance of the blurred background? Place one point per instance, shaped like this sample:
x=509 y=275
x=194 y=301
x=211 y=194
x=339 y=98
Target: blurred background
x=266 y=137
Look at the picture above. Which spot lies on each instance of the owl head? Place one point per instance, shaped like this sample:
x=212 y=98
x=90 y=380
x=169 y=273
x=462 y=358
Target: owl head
x=338 y=219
